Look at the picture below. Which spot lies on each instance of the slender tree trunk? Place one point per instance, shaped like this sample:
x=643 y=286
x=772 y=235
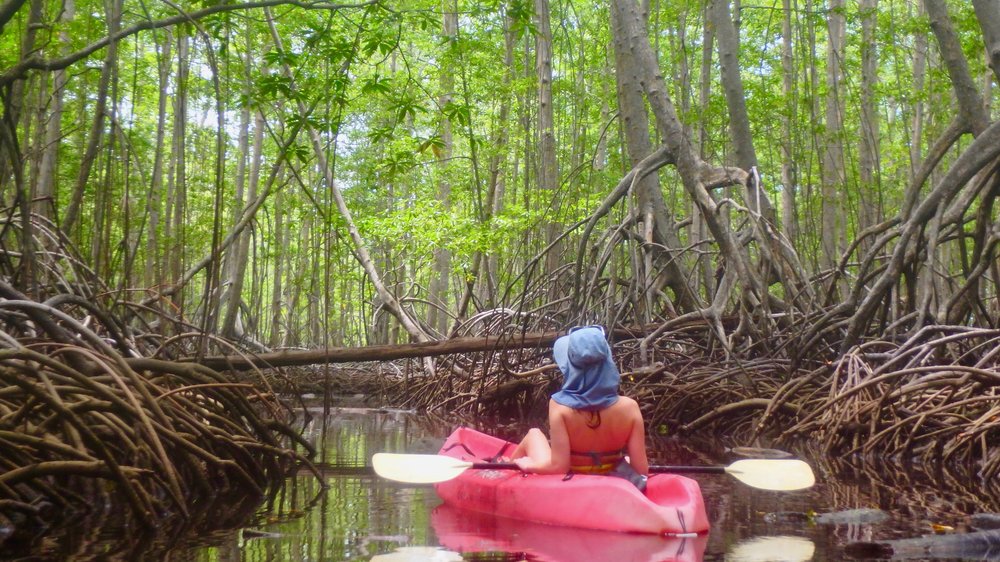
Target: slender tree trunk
x=497 y=180
x=97 y=128
x=548 y=171
x=236 y=262
x=300 y=312
x=789 y=119
x=7 y=11
x=868 y=154
x=45 y=189
x=103 y=198
x=919 y=74
x=177 y=191
x=812 y=219
x=439 y=287
x=700 y=235
x=279 y=256
x=683 y=68
x=739 y=120
x=732 y=84
x=988 y=14
x=13 y=101
x=153 y=274
x=833 y=153
x=970 y=102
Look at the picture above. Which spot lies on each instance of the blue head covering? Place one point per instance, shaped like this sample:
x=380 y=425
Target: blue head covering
x=590 y=378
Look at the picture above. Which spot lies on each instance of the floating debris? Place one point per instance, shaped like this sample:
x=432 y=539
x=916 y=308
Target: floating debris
x=982 y=545
x=788 y=517
x=759 y=453
x=985 y=521
x=852 y=516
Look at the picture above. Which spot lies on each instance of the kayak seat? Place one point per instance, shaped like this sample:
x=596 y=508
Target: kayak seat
x=671 y=489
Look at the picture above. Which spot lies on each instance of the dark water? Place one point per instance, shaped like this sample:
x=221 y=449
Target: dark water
x=361 y=517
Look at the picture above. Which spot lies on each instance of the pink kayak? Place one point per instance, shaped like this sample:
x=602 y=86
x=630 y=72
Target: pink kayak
x=672 y=503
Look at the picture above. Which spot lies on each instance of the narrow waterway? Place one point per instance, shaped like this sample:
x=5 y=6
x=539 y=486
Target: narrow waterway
x=362 y=517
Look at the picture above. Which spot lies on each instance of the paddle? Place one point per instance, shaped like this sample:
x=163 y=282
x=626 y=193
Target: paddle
x=765 y=474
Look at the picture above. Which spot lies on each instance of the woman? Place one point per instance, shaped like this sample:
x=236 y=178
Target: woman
x=592 y=428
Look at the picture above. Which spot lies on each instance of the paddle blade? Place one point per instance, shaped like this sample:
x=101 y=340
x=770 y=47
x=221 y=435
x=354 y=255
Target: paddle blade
x=773 y=474
x=418 y=469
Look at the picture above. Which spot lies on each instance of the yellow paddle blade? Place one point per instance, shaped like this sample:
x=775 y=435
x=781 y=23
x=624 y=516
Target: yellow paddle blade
x=418 y=469
x=773 y=474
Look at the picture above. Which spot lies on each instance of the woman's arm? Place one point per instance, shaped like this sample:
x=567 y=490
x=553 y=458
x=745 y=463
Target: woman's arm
x=559 y=461
x=547 y=456
x=637 y=441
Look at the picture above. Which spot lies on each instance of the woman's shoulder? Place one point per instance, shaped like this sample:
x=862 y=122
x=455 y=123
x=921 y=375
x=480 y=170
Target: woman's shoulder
x=624 y=402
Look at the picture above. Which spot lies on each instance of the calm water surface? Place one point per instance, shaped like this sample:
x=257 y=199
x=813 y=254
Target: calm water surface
x=360 y=517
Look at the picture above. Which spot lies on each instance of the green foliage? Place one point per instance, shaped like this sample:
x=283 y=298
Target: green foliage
x=417 y=128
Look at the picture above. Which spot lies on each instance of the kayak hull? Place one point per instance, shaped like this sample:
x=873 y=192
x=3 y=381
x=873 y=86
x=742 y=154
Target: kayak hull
x=672 y=503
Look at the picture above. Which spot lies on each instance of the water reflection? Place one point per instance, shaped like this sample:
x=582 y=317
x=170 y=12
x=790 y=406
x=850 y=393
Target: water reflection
x=469 y=532
x=348 y=514
x=418 y=554
x=772 y=549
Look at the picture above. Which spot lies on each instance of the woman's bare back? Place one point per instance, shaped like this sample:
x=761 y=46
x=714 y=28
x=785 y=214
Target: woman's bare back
x=615 y=428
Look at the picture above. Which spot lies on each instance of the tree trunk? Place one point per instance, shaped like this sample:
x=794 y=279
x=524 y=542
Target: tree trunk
x=988 y=14
x=732 y=85
x=700 y=234
x=868 y=150
x=652 y=208
x=833 y=154
x=177 y=188
x=970 y=102
x=495 y=191
x=45 y=190
x=548 y=171
x=439 y=287
x=7 y=11
x=154 y=202
x=919 y=74
x=104 y=195
x=236 y=260
x=789 y=120
x=278 y=272
x=97 y=128
x=695 y=174
x=683 y=69
x=13 y=100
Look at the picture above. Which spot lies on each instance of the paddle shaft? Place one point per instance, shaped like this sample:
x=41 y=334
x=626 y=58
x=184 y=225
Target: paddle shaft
x=689 y=469
x=655 y=469
x=766 y=474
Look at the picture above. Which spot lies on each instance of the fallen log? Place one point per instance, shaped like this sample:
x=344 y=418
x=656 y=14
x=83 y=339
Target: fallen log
x=488 y=343
x=298 y=358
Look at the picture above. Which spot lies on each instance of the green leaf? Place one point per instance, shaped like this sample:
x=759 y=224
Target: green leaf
x=281 y=58
x=458 y=113
x=435 y=142
x=376 y=85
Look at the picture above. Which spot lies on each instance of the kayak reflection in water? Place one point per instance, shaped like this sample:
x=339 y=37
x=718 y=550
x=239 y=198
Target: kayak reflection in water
x=592 y=427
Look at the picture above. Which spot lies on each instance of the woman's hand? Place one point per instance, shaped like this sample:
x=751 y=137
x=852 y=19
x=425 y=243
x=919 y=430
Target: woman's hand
x=526 y=464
